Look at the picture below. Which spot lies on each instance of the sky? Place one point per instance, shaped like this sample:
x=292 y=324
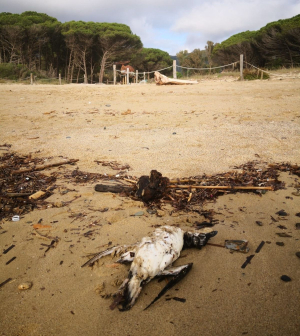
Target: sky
x=169 y=25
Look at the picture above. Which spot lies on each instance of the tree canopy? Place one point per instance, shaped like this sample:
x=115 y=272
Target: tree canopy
x=77 y=48
x=276 y=44
x=151 y=59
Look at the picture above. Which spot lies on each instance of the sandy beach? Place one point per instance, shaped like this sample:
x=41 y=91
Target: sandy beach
x=181 y=131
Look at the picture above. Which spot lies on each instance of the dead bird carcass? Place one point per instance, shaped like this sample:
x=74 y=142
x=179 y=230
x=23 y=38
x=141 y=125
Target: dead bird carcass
x=152 y=257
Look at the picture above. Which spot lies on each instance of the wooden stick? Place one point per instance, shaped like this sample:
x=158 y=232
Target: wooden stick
x=220 y=187
x=17 y=194
x=35 y=168
x=130 y=181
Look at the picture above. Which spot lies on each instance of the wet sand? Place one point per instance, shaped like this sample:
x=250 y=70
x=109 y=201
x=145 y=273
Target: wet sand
x=181 y=131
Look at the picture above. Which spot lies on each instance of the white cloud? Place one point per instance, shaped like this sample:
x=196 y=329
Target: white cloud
x=215 y=20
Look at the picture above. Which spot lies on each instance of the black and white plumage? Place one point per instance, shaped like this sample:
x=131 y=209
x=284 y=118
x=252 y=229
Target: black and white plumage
x=152 y=257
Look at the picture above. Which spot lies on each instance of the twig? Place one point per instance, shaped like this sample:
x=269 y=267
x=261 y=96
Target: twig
x=16 y=194
x=47 y=237
x=42 y=167
x=220 y=187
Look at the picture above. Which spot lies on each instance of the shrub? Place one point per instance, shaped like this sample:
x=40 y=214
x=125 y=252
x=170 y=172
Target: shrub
x=250 y=74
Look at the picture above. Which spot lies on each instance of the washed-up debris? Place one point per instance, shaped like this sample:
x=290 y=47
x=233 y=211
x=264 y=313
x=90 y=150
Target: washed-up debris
x=25 y=285
x=5 y=282
x=78 y=176
x=259 y=223
x=297 y=214
x=283 y=234
x=52 y=245
x=297 y=225
x=298 y=254
x=152 y=211
x=179 y=299
x=5 y=146
x=237 y=245
x=41 y=226
x=139 y=213
x=285 y=278
x=151 y=187
x=8 y=249
x=188 y=193
x=164 y=80
x=248 y=261
x=260 y=247
x=113 y=187
x=282 y=213
x=163 y=246
x=15 y=218
x=205 y=224
x=22 y=187
x=10 y=260
x=113 y=165
x=280 y=243
x=282 y=227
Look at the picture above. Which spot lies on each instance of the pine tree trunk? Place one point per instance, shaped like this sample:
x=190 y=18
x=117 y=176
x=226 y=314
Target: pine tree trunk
x=102 y=67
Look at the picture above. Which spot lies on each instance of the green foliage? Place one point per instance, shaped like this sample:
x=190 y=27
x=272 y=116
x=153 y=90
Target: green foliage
x=13 y=71
x=282 y=25
x=277 y=44
x=239 y=38
x=250 y=74
x=179 y=75
x=25 y=19
x=150 y=59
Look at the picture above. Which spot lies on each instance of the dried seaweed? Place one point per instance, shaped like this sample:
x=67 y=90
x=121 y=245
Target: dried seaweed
x=16 y=187
x=114 y=165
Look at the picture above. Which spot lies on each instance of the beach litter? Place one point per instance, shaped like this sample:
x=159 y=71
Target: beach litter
x=237 y=245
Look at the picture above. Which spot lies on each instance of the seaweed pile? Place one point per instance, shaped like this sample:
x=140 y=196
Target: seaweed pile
x=250 y=177
x=23 y=188
x=15 y=187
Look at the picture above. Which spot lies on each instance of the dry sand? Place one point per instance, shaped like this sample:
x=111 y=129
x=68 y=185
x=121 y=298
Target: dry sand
x=181 y=131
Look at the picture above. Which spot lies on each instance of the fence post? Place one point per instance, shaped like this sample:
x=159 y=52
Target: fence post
x=59 y=79
x=144 y=76
x=31 y=78
x=127 y=76
x=241 y=66
x=115 y=73
x=136 y=76
x=261 y=75
x=174 y=69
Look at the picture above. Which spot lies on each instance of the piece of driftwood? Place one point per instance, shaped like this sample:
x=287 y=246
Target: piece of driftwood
x=164 y=80
x=37 y=195
x=113 y=187
x=42 y=167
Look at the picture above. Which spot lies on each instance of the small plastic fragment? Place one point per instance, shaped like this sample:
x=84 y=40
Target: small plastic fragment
x=15 y=218
x=139 y=213
x=237 y=245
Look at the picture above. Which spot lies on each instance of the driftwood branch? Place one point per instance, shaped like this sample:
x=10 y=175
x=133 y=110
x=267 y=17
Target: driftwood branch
x=113 y=187
x=164 y=80
x=42 y=167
